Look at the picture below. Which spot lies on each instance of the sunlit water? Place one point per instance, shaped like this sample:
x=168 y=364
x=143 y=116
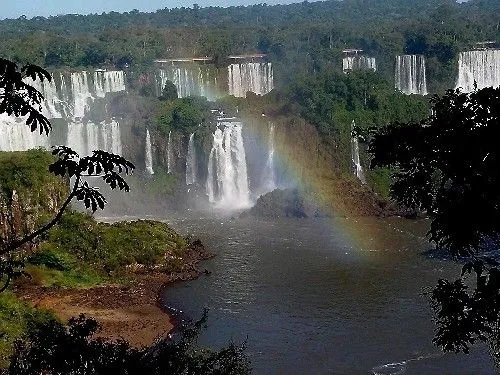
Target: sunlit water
x=308 y=301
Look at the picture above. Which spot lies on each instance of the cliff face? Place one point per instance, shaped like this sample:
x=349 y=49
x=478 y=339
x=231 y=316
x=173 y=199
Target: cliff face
x=29 y=194
x=318 y=169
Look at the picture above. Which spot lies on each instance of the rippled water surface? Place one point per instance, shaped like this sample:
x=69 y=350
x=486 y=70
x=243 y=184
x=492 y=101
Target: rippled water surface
x=321 y=297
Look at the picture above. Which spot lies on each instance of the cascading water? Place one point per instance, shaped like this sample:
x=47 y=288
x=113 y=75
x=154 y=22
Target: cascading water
x=191 y=162
x=227 y=181
x=410 y=74
x=268 y=182
x=190 y=80
x=356 y=163
x=350 y=63
x=70 y=103
x=254 y=77
x=85 y=138
x=15 y=135
x=81 y=94
x=170 y=153
x=112 y=137
x=481 y=67
x=52 y=106
x=149 y=154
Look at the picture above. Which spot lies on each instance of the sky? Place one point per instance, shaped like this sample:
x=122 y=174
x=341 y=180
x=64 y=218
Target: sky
x=32 y=8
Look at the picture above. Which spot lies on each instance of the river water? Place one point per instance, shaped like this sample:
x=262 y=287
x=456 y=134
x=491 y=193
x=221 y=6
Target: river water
x=321 y=296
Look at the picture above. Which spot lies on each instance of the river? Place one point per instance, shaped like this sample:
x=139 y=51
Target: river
x=321 y=296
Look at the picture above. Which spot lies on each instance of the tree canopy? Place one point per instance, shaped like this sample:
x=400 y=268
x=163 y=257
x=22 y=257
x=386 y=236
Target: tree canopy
x=449 y=166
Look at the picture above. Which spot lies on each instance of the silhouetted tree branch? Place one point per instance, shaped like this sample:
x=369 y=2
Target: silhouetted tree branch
x=449 y=166
x=18 y=98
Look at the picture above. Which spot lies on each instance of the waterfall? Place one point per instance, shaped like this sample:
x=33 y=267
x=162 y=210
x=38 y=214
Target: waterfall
x=254 y=77
x=52 y=106
x=356 y=163
x=149 y=154
x=190 y=80
x=410 y=74
x=227 y=181
x=102 y=83
x=350 y=63
x=15 y=135
x=269 y=175
x=112 y=137
x=81 y=94
x=69 y=97
x=108 y=81
x=170 y=154
x=191 y=162
x=87 y=137
x=482 y=67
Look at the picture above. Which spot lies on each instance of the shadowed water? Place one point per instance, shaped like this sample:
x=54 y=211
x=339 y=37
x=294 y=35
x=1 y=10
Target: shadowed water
x=309 y=299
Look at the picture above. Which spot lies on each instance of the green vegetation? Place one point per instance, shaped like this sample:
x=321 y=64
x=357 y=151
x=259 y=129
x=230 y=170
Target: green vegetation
x=448 y=165
x=182 y=115
x=26 y=173
x=302 y=38
x=169 y=91
x=53 y=348
x=15 y=318
x=81 y=252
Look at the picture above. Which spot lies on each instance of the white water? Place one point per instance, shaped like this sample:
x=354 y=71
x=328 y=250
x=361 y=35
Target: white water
x=269 y=174
x=227 y=181
x=189 y=80
x=81 y=94
x=170 y=155
x=409 y=74
x=85 y=90
x=254 y=77
x=85 y=138
x=149 y=154
x=191 y=162
x=69 y=102
x=52 y=106
x=15 y=135
x=358 y=63
x=482 y=67
x=356 y=163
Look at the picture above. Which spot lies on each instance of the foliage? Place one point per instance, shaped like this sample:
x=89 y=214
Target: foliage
x=55 y=349
x=183 y=114
x=463 y=318
x=19 y=98
x=302 y=38
x=15 y=317
x=169 y=91
x=24 y=174
x=80 y=251
x=449 y=166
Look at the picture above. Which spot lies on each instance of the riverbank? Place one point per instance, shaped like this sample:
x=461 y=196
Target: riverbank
x=130 y=311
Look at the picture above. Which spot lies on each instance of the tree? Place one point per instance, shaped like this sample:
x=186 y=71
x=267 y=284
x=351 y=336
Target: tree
x=169 y=91
x=183 y=114
x=449 y=166
x=55 y=349
x=18 y=98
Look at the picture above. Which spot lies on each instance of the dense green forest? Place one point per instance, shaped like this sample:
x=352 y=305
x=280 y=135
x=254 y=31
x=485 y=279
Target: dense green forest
x=304 y=38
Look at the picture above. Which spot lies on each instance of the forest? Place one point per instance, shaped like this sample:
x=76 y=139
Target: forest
x=311 y=116
x=300 y=39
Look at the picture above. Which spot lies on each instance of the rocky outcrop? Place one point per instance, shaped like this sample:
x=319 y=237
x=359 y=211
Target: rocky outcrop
x=285 y=203
x=29 y=194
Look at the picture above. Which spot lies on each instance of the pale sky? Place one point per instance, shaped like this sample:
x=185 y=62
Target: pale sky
x=32 y=8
